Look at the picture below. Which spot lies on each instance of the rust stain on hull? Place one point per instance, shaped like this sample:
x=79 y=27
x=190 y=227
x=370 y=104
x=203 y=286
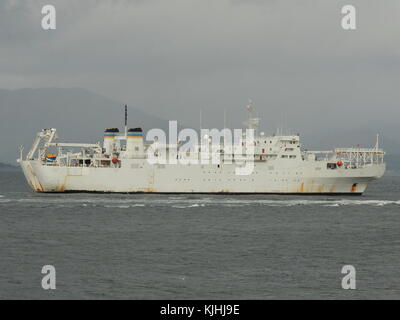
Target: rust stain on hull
x=38 y=187
x=299 y=189
x=225 y=191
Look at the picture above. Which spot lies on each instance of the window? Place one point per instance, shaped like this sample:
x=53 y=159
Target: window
x=292 y=157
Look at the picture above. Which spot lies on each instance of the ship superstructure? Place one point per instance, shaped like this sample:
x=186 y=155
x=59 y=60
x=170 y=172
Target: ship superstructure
x=122 y=164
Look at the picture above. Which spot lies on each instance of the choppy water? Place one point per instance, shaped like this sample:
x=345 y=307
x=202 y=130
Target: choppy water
x=198 y=246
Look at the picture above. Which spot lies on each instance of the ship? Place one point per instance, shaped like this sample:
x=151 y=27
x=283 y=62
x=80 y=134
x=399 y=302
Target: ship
x=121 y=164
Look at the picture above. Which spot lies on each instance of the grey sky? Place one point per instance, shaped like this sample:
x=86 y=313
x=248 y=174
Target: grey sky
x=173 y=57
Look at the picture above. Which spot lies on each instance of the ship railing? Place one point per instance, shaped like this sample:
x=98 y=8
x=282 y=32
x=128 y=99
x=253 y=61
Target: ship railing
x=350 y=157
x=360 y=157
x=70 y=158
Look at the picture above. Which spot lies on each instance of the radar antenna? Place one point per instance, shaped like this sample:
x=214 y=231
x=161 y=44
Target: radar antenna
x=252 y=121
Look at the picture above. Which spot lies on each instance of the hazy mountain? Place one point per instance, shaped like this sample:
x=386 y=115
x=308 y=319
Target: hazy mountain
x=392 y=164
x=79 y=116
x=7 y=167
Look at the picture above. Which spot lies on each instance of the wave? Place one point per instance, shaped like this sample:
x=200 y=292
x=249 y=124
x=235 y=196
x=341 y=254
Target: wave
x=124 y=206
x=193 y=202
x=341 y=202
x=119 y=207
x=195 y=205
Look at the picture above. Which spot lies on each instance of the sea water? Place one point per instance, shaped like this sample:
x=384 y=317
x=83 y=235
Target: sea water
x=150 y=246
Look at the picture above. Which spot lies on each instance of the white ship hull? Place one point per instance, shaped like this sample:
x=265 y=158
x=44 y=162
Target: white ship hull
x=243 y=163
x=137 y=175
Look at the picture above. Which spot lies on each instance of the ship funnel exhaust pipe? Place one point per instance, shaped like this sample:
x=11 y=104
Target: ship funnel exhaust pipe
x=126 y=121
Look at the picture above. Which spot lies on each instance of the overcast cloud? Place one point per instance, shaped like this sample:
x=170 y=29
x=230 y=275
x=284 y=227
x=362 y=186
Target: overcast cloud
x=173 y=57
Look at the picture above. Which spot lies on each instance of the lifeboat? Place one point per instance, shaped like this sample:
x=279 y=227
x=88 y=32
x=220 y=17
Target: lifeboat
x=51 y=157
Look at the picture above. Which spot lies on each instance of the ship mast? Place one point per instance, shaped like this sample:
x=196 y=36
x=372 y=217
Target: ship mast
x=126 y=122
x=377 y=142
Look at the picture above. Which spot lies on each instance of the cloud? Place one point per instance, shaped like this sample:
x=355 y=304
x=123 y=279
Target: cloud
x=173 y=56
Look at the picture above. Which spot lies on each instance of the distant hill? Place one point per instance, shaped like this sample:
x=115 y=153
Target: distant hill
x=392 y=164
x=7 y=167
x=79 y=116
